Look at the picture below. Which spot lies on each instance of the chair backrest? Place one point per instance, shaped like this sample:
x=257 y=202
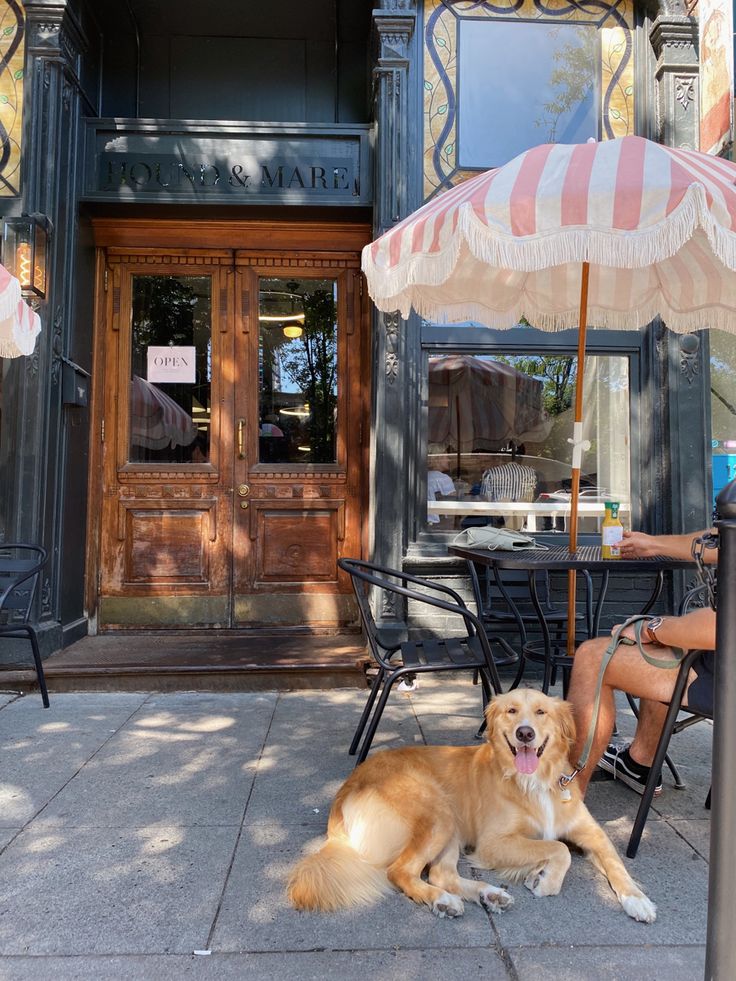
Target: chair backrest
x=694 y=598
x=365 y=575
x=20 y=566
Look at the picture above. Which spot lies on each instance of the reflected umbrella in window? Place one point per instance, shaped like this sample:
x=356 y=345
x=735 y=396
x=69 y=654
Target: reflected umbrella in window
x=478 y=405
x=156 y=420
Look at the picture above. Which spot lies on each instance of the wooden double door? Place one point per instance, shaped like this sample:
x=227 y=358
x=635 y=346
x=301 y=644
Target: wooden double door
x=231 y=399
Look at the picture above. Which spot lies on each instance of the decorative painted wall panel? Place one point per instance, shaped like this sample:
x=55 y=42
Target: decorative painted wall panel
x=586 y=46
x=12 y=52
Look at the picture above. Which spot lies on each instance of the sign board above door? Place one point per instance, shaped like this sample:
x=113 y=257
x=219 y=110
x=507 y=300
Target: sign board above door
x=173 y=161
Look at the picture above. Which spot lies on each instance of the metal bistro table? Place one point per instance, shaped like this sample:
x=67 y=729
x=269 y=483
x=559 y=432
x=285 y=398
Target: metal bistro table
x=586 y=558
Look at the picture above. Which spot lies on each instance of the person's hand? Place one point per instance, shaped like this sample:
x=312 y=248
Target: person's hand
x=629 y=636
x=638 y=545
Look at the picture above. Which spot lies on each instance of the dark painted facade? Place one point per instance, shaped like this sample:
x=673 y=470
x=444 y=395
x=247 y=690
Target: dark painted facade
x=336 y=88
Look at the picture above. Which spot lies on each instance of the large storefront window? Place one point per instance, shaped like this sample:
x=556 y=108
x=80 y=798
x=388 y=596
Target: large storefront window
x=498 y=431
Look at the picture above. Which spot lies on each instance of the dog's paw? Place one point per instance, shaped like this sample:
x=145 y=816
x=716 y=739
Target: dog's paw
x=540 y=883
x=448 y=905
x=495 y=900
x=640 y=908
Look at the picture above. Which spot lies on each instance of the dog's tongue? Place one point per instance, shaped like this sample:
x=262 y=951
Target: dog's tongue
x=526 y=759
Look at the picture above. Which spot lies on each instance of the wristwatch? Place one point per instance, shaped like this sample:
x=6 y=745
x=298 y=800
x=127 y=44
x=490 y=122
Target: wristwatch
x=653 y=626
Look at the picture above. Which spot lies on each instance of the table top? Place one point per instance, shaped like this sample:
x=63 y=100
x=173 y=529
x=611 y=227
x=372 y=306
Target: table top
x=559 y=557
x=545 y=509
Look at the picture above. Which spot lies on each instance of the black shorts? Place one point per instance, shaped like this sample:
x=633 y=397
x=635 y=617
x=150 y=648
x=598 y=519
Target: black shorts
x=700 y=694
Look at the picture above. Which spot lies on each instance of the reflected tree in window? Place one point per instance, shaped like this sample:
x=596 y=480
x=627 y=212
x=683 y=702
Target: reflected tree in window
x=571 y=84
x=556 y=373
x=311 y=364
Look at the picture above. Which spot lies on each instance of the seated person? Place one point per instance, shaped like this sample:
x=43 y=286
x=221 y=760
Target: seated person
x=627 y=671
x=510 y=482
x=438 y=483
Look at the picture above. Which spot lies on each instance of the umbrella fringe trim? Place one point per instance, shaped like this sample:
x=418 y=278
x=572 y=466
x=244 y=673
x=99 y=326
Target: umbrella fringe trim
x=598 y=317
x=616 y=249
x=9 y=300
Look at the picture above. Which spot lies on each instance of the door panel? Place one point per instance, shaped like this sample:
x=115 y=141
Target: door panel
x=231 y=454
x=302 y=409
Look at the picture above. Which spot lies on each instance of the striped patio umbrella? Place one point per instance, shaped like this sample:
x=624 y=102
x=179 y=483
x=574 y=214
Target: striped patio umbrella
x=614 y=233
x=19 y=324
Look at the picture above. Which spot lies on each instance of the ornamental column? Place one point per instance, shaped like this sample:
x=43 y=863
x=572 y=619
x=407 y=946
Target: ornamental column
x=395 y=350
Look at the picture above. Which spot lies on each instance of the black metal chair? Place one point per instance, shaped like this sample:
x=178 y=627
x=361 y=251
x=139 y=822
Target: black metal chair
x=20 y=568
x=396 y=659
x=673 y=723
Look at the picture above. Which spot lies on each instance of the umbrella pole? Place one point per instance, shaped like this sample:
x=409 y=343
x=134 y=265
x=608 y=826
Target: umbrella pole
x=577 y=452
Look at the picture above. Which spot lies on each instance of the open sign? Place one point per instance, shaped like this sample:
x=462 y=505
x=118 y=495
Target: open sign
x=171 y=364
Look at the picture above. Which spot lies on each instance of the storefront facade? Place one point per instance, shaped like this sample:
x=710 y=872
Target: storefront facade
x=243 y=416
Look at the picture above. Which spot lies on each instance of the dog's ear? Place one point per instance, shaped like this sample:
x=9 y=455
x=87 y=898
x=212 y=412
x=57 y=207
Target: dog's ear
x=566 y=722
x=492 y=711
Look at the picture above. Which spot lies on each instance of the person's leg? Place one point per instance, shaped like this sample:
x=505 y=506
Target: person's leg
x=627 y=671
x=648 y=730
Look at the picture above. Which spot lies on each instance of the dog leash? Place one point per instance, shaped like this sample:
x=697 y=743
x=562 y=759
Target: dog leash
x=638 y=623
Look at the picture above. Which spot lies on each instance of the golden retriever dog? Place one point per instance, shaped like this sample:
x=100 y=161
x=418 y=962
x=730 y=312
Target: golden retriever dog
x=406 y=811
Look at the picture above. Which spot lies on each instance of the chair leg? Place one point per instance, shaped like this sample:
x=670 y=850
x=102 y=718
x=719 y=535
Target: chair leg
x=519 y=672
x=664 y=740
x=548 y=672
x=377 y=681
x=39 y=666
x=373 y=725
x=487 y=695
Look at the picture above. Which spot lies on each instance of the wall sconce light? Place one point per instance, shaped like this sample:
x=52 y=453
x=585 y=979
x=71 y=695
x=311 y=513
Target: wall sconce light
x=293 y=330
x=25 y=251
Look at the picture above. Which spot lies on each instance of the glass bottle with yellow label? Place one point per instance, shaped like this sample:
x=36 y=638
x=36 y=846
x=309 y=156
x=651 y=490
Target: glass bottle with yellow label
x=612 y=532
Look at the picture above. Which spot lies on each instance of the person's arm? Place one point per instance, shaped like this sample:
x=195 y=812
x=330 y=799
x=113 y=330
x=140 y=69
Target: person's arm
x=638 y=545
x=696 y=630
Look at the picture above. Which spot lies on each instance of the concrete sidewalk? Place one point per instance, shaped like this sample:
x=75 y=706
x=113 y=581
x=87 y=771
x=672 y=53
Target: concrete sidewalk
x=149 y=835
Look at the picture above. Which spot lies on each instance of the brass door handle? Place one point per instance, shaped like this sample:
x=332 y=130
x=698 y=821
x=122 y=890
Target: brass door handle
x=241 y=431
x=243 y=490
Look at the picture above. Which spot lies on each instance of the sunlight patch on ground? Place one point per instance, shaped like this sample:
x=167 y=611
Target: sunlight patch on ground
x=14 y=804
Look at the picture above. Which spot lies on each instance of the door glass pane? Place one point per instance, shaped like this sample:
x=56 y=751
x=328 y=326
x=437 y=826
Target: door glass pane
x=498 y=440
x=297 y=367
x=171 y=369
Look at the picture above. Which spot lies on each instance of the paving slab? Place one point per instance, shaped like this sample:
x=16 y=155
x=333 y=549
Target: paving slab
x=696 y=834
x=7 y=835
x=255 y=914
x=669 y=871
x=375 y=965
x=42 y=749
x=181 y=759
x=609 y=963
x=154 y=889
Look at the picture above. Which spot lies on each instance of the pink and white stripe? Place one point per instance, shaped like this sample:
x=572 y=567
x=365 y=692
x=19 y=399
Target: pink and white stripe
x=19 y=324
x=657 y=225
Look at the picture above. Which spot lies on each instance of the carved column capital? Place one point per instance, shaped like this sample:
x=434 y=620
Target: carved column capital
x=393 y=36
x=674 y=40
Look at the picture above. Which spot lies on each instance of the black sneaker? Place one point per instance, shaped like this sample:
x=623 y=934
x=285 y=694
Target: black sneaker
x=617 y=761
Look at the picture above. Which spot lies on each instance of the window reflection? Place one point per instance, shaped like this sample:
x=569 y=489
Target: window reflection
x=552 y=99
x=498 y=431
x=170 y=419
x=298 y=370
